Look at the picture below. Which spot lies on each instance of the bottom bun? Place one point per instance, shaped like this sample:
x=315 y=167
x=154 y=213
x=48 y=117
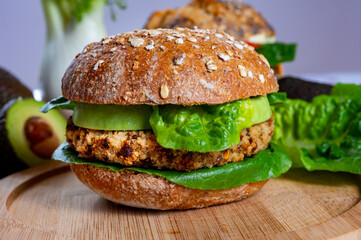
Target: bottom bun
x=143 y=190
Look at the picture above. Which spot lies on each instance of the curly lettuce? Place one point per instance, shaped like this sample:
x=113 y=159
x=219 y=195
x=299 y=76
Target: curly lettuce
x=206 y=128
x=324 y=134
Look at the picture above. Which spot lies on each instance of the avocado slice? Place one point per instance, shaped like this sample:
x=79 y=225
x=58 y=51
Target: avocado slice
x=11 y=87
x=262 y=109
x=27 y=136
x=112 y=117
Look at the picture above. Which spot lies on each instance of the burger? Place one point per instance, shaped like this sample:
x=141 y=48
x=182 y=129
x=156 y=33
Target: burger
x=231 y=16
x=234 y=17
x=170 y=119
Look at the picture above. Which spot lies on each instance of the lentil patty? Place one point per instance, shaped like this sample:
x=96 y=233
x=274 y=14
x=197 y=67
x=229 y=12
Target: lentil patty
x=141 y=149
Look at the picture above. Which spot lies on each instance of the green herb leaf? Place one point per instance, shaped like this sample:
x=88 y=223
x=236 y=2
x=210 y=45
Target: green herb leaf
x=121 y=4
x=266 y=164
x=277 y=53
x=58 y=103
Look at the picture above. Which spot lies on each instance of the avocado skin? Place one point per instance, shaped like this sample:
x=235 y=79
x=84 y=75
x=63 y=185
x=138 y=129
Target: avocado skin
x=11 y=87
x=10 y=90
x=10 y=163
x=302 y=89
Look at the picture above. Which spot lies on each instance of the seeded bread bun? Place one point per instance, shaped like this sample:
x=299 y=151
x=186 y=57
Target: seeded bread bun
x=153 y=192
x=231 y=16
x=164 y=66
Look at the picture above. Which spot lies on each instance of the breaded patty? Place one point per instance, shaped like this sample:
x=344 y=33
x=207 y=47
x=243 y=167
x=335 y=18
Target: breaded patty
x=141 y=149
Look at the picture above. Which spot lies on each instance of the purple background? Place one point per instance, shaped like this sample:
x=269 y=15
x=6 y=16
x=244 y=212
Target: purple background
x=328 y=32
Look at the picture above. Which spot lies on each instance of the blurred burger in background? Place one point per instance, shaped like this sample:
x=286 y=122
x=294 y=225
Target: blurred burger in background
x=234 y=17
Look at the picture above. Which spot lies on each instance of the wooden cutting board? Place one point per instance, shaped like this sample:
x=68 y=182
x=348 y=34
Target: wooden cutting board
x=48 y=202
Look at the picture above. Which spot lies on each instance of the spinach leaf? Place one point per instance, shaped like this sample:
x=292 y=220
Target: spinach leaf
x=266 y=164
x=277 y=97
x=58 y=103
x=277 y=53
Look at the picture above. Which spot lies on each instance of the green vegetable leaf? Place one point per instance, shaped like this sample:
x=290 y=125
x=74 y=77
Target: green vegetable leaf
x=322 y=135
x=277 y=97
x=266 y=164
x=346 y=90
x=78 y=8
x=58 y=103
x=205 y=128
x=121 y=4
x=277 y=53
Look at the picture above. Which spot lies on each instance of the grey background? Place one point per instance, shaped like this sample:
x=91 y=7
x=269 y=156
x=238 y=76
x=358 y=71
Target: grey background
x=328 y=32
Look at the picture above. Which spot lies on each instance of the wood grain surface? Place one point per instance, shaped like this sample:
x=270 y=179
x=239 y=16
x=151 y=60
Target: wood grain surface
x=48 y=202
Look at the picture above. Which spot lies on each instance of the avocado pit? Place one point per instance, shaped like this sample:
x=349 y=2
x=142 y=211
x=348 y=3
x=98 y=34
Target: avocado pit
x=41 y=137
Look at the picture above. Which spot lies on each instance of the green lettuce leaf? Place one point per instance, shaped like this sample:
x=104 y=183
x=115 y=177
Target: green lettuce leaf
x=346 y=90
x=58 y=103
x=277 y=53
x=322 y=135
x=266 y=164
x=201 y=128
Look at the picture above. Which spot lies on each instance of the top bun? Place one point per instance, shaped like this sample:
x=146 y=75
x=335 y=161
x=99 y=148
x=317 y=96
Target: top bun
x=231 y=16
x=167 y=66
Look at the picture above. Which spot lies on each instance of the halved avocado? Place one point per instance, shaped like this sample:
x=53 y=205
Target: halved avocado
x=11 y=87
x=27 y=136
